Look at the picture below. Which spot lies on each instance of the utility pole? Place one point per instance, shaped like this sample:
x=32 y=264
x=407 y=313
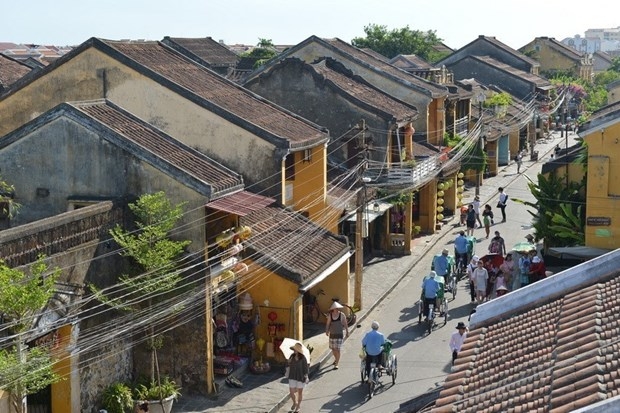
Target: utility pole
x=480 y=98
x=359 y=222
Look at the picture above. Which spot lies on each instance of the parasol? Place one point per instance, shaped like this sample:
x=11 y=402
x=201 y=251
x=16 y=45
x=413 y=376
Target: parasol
x=286 y=345
x=524 y=247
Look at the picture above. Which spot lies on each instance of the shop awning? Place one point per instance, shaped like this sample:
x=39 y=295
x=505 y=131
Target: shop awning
x=577 y=253
x=241 y=203
x=370 y=214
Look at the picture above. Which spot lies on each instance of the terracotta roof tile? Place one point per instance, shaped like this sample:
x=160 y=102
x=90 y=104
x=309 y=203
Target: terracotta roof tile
x=224 y=95
x=554 y=356
x=11 y=70
x=155 y=141
x=213 y=53
x=291 y=245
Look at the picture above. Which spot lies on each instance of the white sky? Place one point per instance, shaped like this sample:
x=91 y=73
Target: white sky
x=457 y=22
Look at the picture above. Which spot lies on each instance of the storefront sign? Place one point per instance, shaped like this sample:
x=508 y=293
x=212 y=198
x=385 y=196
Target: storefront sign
x=598 y=221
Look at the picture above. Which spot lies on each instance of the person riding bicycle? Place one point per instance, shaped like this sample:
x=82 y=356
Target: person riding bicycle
x=372 y=343
x=442 y=266
x=430 y=289
x=460 y=249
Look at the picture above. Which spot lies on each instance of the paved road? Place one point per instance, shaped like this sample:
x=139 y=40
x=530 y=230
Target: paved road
x=423 y=360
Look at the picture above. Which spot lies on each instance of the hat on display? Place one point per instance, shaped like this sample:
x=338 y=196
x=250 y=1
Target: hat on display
x=335 y=306
x=245 y=303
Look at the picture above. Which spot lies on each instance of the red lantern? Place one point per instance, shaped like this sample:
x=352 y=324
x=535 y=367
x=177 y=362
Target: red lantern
x=272 y=316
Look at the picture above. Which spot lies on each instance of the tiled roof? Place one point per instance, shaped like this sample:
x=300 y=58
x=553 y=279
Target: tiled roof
x=562 y=48
x=358 y=54
x=377 y=55
x=549 y=347
x=284 y=128
x=212 y=52
x=359 y=89
x=291 y=245
x=534 y=79
x=11 y=70
x=241 y=203
x=154 y=141
x=505 y=47
x=410 y=61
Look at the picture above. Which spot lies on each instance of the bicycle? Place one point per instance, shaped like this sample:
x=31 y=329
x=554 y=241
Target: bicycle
x=312 y=311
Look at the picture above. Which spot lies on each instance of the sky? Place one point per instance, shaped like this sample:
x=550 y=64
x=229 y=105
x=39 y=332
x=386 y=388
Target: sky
x=288 y=22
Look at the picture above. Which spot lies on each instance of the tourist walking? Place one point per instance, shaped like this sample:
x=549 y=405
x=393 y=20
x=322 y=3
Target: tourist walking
x=501 y=204
x=336 y=327
x=470 y=220
x=298 y=370
x=487 y=219
x=457 y=339
x=497 y=245
x=480 y=276
x=476 y=204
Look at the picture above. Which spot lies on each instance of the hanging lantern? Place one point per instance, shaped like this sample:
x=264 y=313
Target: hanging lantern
x=440 y=217
x=440 y=209
x=440 y=201
x=460 y=175
x=440 y=194
x=460 y=182
x=459 y=189
x=440 y=186
x=459 y=196
x=459 y=204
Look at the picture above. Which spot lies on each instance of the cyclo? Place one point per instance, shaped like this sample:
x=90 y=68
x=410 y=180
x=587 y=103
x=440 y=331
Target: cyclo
x=388 y=365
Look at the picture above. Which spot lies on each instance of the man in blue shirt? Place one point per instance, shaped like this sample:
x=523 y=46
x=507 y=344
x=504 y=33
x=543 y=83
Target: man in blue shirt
x=441 y=265
x=460 y=249
x=430 y=288
x=373 y=344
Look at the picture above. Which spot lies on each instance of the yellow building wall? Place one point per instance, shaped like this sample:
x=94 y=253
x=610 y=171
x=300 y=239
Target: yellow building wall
x=63 y=398
x=308 y=191
x=428 y=207
x=603 y=190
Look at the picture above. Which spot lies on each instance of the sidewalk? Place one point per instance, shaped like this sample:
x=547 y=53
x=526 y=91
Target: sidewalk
x=268 y=392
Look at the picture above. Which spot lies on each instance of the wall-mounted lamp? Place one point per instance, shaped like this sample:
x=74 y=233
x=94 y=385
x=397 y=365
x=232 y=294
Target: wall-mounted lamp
x=375 y=207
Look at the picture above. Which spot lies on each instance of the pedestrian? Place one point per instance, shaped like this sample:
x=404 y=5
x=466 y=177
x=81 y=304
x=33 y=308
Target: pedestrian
x=335 y=328
x=487 y=219
x=457 y=339
x=507 y=269
x=519 y=161
x=476 y=204
x=501 y=204
x=480 y=276
x=464 y=214
x=470 y=220
x=473 y=264
x=524 y=269
x=298 y=370
x=372 y=343
x=497 y=245
x=537 y=269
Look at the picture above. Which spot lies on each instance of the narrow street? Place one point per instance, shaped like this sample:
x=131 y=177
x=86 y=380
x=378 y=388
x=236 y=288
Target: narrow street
x=423 y=360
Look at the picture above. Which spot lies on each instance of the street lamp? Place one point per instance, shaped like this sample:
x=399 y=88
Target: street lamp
x=480 y=98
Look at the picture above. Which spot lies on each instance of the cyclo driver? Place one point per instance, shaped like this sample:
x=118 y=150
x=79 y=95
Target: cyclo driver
x=430 y=289
x=460 y=248
x=373 y=343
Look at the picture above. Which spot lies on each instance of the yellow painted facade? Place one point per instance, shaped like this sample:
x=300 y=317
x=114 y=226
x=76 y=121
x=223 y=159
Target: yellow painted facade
x=551 y=58
x=285 y=299
x=603 y=189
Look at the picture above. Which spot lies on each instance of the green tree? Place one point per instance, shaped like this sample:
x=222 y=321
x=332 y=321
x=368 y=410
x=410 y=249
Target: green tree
x=23 y=296
x=153 y=256
x=264 y=51
x=8 y=207
x=393 y=42
x=559 y=224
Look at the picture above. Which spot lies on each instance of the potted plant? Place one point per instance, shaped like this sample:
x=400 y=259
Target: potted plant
x=117 y=398
x=158 y=396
